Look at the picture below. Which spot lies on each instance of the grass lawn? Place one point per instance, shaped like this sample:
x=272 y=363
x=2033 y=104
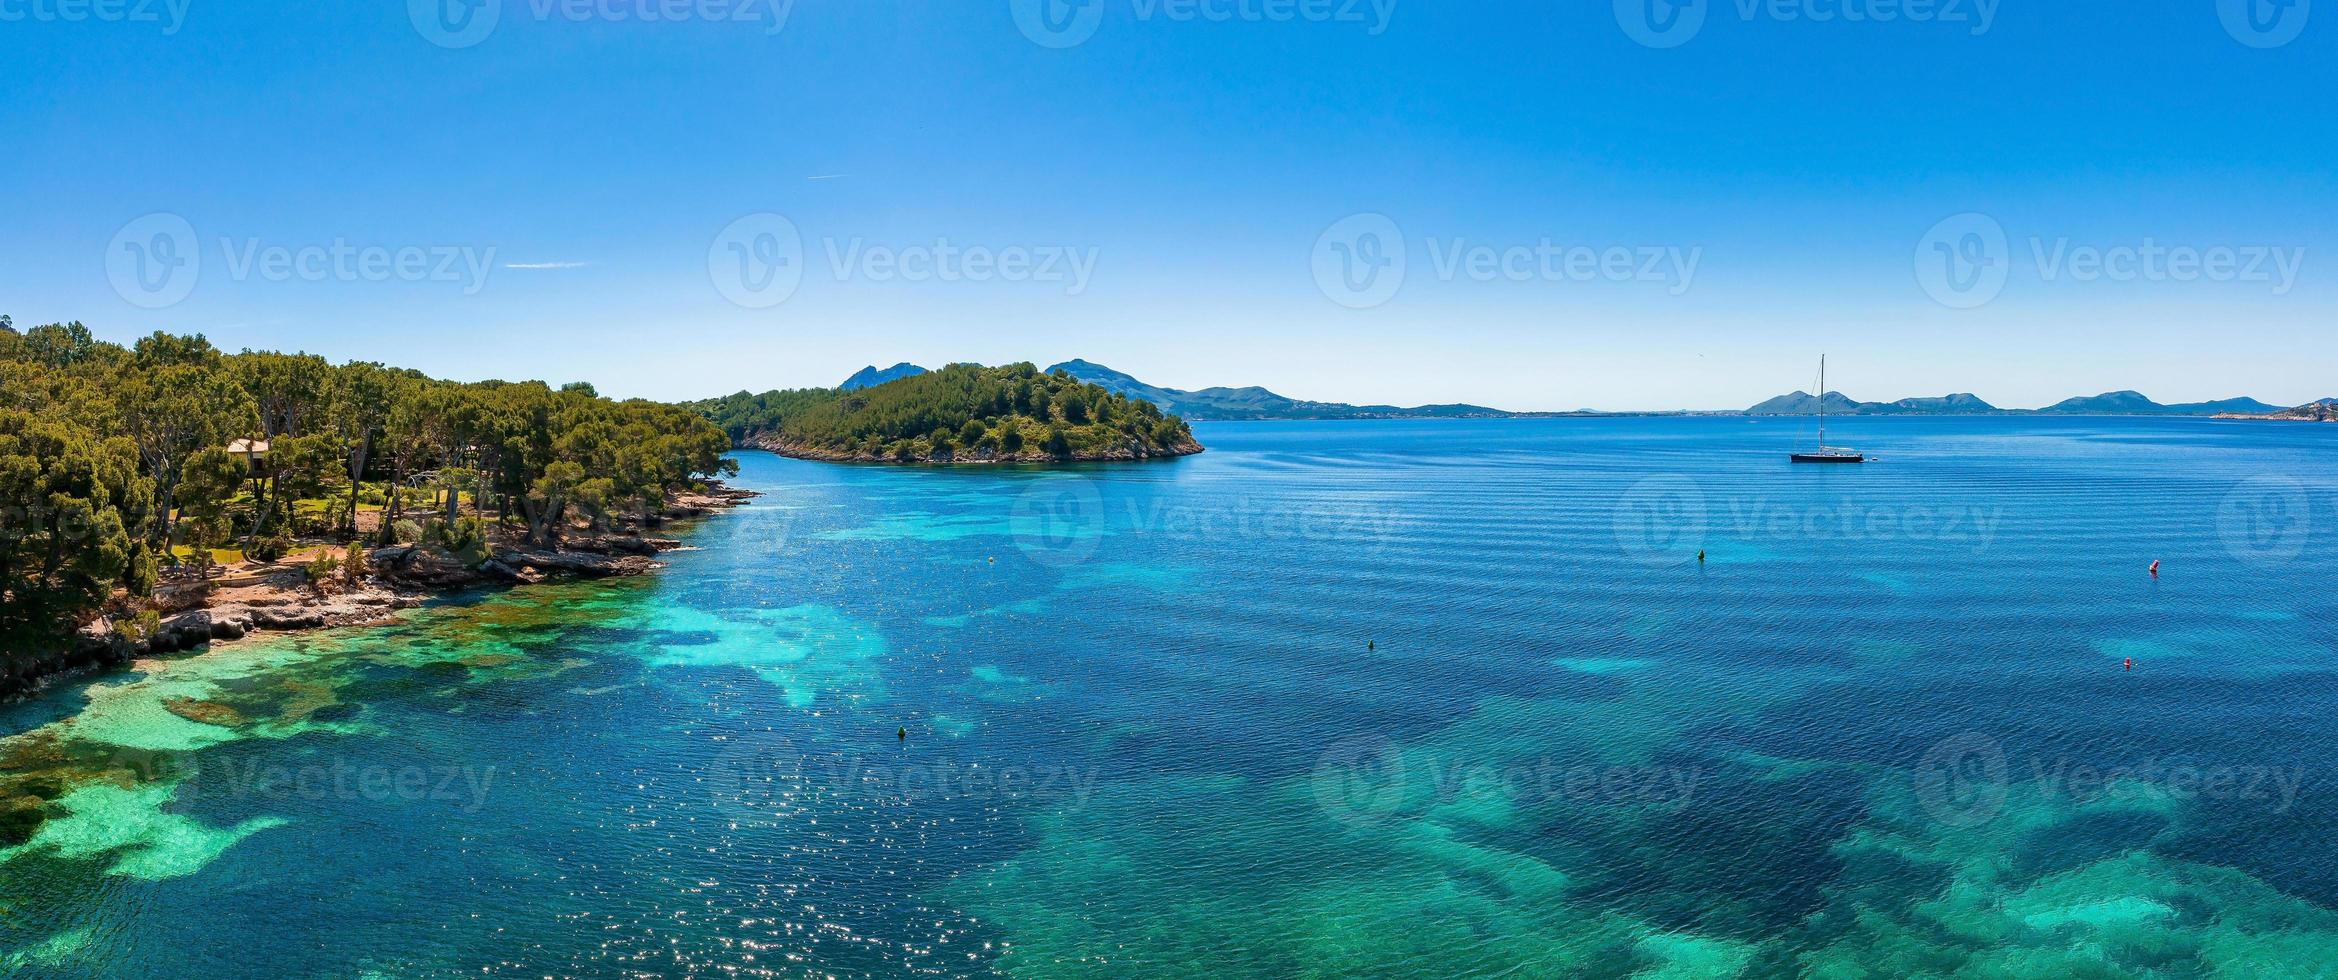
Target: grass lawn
x=221 y=556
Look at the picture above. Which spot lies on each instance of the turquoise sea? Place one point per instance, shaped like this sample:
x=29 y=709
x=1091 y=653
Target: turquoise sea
x=1333 y=699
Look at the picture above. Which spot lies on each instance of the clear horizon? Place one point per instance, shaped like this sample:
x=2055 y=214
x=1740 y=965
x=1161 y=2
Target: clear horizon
x=1586 y=210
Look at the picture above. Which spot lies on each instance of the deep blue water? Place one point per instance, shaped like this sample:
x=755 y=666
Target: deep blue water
x=1368 y=698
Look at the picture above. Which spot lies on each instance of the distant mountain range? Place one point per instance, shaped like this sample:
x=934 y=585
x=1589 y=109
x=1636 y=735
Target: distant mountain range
x=1803 y=403
x=2108 y=403
x=1228 y=404
x=1258 y=404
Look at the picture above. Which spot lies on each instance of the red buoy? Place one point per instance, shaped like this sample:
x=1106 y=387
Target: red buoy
x=2130 y=663
x=2155 y=568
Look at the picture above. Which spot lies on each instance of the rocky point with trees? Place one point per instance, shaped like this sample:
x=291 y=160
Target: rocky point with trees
x=964 y=413
x=130 y=476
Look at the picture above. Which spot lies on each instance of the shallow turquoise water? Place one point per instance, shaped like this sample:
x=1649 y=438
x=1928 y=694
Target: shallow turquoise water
x=1405 y=698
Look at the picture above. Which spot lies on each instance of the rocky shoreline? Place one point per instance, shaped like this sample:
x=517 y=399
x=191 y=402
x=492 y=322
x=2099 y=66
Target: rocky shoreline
x=2321 y=411
x=400 y=577
x=1132 y=453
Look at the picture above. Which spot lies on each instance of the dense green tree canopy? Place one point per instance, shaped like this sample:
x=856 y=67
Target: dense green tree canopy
x=73 y=502
x=114 y=459
x=962 y=411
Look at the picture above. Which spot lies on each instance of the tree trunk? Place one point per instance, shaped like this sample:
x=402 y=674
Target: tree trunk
x=358 y=454
x=395 y=506
x=259 y=513
x=543 y=521
x=162 y=519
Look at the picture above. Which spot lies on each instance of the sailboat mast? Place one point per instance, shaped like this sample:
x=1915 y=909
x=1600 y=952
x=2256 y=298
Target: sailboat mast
x=1822 y=403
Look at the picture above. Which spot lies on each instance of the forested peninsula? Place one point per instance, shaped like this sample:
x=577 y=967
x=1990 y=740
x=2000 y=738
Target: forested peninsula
x=158 y=496
x=964 y=413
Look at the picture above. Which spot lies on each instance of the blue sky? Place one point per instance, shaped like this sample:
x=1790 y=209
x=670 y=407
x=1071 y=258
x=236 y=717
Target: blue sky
x=573 y=192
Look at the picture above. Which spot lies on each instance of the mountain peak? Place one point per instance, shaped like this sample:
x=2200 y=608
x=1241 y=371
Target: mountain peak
x=1251 y=402
x=870 y=377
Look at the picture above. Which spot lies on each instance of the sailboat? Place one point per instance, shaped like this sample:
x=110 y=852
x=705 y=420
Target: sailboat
x=1826 y=453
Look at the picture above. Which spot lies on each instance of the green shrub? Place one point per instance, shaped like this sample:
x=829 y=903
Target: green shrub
x=466 y=533
x=272 y=547
x=139 y=579
x=140 y=627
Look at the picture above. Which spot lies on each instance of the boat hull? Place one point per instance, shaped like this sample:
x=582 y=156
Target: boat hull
x=1829 y=458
